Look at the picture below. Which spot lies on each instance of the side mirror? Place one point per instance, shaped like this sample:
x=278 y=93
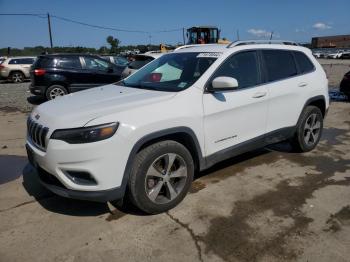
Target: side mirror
x=223 y=83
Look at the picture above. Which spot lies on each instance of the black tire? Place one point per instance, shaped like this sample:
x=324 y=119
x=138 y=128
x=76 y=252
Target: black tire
x=54 y=91
x=139 y=178
x=17 y=77
x=305 y=131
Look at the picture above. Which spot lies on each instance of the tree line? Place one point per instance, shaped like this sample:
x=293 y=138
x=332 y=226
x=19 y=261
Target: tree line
x=113 y=48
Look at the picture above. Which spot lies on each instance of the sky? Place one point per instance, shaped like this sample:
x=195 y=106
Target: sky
x=296 y=20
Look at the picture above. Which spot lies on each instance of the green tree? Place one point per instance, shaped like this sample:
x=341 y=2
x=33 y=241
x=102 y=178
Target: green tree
x=114 y=43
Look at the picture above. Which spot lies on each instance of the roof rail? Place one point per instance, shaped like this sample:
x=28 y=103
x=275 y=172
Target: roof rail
x=196 y=45
x=266 y=42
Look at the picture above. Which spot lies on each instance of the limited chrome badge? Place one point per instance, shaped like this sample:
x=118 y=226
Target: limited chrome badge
x=37 y=116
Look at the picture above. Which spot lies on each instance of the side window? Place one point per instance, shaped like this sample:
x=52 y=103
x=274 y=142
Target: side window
x=13 y=62
x=242 y=66
x=279 y=64
x=26 y=61
x=68 y=63
x=93 y=63
x=304 y=63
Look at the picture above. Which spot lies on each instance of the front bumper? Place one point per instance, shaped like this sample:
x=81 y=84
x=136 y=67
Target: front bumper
x=50 y=182
x=102 y=161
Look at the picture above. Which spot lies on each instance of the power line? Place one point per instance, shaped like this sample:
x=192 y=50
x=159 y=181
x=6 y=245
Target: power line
x=25 y=14
x=98 y=26
x=93 y=25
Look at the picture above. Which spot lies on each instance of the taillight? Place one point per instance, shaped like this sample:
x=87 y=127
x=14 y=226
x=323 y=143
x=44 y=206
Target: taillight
x=39 y=72
x=1 y=66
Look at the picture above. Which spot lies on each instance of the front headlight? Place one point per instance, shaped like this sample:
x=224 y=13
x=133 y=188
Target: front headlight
x=85 y=134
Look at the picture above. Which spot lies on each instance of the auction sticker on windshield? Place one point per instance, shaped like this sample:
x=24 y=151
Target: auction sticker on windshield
x=211 y=54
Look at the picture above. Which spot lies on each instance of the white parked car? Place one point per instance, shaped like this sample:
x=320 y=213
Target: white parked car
x=146 y=136
x=16 y=69
x=140 y=61
x=335 y=55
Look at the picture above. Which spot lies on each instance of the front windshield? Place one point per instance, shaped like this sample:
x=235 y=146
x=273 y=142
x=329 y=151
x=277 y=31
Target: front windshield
x=172 y=72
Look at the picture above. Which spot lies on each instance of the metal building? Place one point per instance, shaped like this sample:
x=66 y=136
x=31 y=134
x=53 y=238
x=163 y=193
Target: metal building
x=337 y=41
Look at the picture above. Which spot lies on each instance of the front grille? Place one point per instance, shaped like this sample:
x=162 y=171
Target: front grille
x=37 y=133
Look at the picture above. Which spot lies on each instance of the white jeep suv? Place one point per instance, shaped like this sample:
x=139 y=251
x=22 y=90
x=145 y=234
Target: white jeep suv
x=147 y=135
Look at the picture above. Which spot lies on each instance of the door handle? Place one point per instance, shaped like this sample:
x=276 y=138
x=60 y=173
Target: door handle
x=302 y=84
x=259 y=94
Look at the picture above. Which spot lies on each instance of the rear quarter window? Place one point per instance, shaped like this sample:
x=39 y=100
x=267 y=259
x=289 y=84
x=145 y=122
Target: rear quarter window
x=279 y=64
x=304 y=63
x=68 y=63
x=44 y=62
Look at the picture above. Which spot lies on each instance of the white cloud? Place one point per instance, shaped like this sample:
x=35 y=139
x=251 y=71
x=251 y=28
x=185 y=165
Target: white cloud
x=261 y=33
x=321 y=26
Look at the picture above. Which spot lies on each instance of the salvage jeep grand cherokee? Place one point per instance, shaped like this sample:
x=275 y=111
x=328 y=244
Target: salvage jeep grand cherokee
x=147 y=135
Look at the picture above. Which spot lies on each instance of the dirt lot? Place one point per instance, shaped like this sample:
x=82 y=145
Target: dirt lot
x=268 y=205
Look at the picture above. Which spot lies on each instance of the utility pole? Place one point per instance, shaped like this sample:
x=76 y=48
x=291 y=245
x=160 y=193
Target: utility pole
x=183 y=35
x=49 y=24
x=237 y=34
x=271 y=35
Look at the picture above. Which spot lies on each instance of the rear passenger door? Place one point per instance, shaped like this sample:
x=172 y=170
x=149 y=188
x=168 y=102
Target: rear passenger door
x=234 y=117
x=285 y=87
x=69 y=71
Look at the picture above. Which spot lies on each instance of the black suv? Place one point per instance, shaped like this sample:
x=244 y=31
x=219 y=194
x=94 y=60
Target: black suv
x=59 y=74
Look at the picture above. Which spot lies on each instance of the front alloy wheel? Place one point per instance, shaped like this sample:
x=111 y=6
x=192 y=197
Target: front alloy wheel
x=17 y=77
x=166 y=178
x=160 y=177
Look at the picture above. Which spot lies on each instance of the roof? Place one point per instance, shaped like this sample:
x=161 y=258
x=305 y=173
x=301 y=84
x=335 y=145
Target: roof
x=70 y=54
x=19 y=57
x=223 y=48
x=204 y=26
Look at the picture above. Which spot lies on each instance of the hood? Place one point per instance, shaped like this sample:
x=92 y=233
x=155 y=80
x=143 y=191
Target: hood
x=77 y=109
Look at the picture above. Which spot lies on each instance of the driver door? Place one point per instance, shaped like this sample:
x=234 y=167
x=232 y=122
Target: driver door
x=238 y=116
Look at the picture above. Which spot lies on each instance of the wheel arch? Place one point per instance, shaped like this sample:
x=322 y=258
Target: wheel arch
x=182 y=135
x=59 y=83
x=16 y=71
x=318 y=101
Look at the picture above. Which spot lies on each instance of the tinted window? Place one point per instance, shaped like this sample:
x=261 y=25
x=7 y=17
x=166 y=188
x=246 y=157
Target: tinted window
x=22 y=61
x=94 y=63
x=242 y=66
x=119 y=60
x=13 y=62
x=68 y=63
x=279 y=64
x=304 y=63
x=44 y=62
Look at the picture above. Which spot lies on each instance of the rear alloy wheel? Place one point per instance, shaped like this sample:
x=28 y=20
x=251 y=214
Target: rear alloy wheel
x=161 y=176
x=17 y=77
x=55 y=91
x=309 y=129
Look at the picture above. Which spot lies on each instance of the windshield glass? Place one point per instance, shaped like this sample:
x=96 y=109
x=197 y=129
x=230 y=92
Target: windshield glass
x=172 y=72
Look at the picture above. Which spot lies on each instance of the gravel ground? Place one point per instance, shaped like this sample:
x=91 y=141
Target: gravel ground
x=16 y=97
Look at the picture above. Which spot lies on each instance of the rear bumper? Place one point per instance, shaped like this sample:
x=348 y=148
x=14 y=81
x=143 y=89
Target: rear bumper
x=37 y=90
